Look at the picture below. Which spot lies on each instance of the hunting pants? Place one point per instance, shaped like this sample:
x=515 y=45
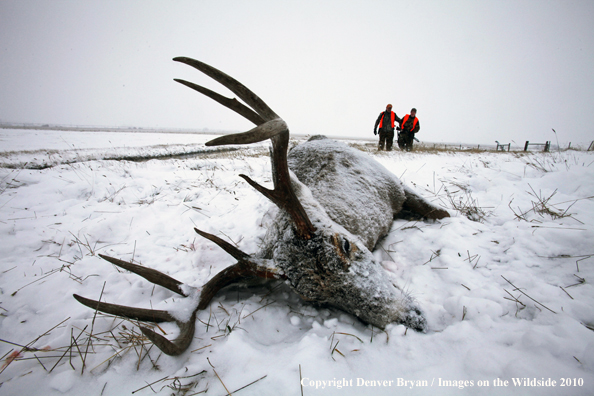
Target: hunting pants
x=386 y=137
x=407 y=140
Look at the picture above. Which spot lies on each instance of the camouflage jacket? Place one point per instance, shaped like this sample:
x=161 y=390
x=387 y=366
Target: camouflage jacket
x=409 y=123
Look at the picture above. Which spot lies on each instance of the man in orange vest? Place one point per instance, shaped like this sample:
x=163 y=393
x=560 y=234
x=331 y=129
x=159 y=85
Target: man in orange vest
x=409 y=125
x=386 y=121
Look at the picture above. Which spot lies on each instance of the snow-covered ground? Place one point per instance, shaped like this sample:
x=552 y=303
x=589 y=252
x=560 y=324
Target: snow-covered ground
x=506 y=282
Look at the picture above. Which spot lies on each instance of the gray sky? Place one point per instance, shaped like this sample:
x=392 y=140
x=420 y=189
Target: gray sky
x=477 y=71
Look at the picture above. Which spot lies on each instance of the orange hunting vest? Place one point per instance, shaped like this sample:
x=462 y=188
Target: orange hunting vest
x=393 y=115
x=415 y=121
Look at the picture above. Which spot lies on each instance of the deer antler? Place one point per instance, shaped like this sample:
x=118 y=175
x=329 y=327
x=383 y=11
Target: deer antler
x=245 y=268
x=184 y=339
x=269 y=126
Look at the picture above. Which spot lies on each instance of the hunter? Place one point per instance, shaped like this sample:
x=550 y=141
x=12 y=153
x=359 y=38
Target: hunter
x=386 y=122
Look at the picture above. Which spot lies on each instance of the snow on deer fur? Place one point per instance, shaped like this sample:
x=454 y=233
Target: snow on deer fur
x=352 y=201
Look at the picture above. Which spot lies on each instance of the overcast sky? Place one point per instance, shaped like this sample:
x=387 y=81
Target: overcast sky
x=477 y=71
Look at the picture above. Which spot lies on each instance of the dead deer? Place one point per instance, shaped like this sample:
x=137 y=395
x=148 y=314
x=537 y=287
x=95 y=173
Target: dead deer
x=335 y=204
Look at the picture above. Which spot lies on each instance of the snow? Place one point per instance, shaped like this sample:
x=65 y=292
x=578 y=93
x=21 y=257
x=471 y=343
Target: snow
x=508 y=296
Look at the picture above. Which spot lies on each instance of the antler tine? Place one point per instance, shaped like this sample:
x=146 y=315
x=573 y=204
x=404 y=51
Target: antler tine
x=234 y=86
x=226 y=246
x=151 y=275
x=233 y=104
x=142 y=314
x=260 y=133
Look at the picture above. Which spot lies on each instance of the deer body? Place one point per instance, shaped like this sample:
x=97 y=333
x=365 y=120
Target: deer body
x=351 y=200
x=355 y=190
x=335 y=204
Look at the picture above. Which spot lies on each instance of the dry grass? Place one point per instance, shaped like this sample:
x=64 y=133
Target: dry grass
x=429 y=148
x=468 y=206
x=542 y=206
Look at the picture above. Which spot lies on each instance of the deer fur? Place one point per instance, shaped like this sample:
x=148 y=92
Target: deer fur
x=351 y=200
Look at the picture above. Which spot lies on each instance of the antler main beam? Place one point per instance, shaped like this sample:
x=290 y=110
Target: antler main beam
x=232 y=104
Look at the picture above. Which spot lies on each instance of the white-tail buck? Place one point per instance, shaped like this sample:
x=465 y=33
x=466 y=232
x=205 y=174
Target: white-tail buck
x=335 y=204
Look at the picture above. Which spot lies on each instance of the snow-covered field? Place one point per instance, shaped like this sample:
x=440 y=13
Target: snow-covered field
x=506 y=282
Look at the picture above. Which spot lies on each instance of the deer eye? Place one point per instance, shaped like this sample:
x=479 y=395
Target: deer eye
x=346 y=246
x=343 y=247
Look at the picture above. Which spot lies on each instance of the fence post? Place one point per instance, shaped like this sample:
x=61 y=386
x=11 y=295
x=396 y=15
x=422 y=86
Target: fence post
x=508 y=147
x=526 y=145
